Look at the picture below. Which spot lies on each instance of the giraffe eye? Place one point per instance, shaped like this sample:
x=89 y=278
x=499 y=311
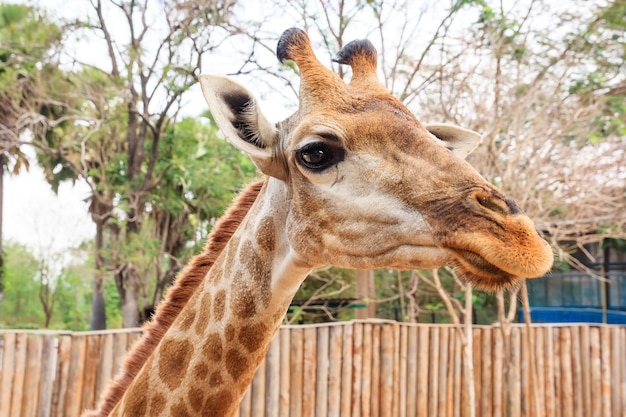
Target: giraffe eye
x=318 y=156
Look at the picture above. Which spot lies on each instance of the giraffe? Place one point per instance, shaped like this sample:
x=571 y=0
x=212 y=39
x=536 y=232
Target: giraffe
x=351 y=179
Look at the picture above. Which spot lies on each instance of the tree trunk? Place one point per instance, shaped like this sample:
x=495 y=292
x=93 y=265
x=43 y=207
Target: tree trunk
x=127 y=280
x=47 y=303
x=98 y=312
x=365 y=291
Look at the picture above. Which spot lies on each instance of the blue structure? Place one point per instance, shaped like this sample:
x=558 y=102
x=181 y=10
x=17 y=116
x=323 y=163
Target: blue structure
x=578 y=297
x=574 y=315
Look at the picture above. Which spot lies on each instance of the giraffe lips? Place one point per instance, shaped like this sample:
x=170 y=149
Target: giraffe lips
x=481 y=273
x=494 y=261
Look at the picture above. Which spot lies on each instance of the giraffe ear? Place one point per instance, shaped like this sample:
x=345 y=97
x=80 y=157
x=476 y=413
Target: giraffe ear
x=461 y=141
x=238 y=116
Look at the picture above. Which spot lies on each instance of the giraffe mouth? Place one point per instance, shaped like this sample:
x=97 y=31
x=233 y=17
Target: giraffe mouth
x=481 y=273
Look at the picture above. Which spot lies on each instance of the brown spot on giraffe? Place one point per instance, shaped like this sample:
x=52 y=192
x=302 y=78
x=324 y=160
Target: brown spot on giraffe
x=243 y=298
x=236 y=363
x=212 y=348
x=219 y=305
x=180 y=410
x=203 y=314
x=229 y=332
x=216 y=379
x=252 y=336
x=174 y=360
x=218 y=404
x=259 y=268
x=157 y=404
x=186 y=321
x=265 y=237
x=196 y=398
x=201 y=371
x=244 y=303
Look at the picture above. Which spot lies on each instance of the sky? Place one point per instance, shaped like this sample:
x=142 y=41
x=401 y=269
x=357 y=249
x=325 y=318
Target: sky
x=37 y=217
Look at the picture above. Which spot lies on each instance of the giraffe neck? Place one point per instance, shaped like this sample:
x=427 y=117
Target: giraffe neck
x=208 y=357
x=177 y=297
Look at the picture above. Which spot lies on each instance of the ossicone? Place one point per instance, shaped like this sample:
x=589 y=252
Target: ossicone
x=362 y=57
x=318 y=84
x=359 y=54
x=292 y=43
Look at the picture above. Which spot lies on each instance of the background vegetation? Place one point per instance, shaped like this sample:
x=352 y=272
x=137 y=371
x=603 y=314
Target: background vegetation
x=108 y=96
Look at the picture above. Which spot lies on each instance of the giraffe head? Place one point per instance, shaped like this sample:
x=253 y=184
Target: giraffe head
x=368 y=185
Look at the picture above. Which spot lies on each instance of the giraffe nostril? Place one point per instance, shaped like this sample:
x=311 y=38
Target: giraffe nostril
x=503 y=207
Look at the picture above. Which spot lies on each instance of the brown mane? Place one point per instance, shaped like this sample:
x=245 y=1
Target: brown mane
x=177 y=296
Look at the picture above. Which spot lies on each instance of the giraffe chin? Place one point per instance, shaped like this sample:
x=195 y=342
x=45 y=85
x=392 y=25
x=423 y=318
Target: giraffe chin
x=482 y=274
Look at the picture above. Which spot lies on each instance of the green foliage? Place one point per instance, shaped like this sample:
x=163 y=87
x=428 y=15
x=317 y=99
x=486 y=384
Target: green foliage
x=203 y=172
x=618 y=244
x=1 y=270
x=594 y=47
x=20 y=306
x=73 y=288
x=26 y=39
x=561 y=265
x=112 y=304
x=501 y=32
x=388 y=287
x=201 y=175
x=74 y=297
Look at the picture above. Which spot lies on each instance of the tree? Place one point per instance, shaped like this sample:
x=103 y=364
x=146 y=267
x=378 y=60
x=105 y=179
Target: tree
x=143 y=73
x=203 y=174
x=26 y=39
x=121 y=112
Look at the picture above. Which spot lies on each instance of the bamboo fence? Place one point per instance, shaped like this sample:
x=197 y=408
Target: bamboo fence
x=358 y=368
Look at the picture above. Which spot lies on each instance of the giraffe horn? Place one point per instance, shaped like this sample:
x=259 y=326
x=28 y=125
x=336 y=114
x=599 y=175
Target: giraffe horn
x=361 y=55
x=294 y=44
x=315 y=78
